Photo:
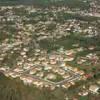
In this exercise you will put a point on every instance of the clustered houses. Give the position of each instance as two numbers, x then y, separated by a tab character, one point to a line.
95	7
42	69
37	66
43	23
89	58
46	68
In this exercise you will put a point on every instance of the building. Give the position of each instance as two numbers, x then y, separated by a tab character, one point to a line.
94	88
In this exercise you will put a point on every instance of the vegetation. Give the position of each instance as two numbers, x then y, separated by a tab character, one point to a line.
47	3
15	90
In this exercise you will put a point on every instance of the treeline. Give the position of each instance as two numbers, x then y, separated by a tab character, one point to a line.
49	3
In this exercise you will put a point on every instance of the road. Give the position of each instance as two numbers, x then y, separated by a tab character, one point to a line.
69	79
75	76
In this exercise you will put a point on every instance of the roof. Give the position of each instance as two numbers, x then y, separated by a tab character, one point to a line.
94	88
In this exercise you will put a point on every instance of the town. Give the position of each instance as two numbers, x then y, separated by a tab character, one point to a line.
55	47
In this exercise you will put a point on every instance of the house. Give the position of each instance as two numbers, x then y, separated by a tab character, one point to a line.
18	70
69	59
83	93
32	72
2	69
66	85
26	80
51	76
53	62
15	75
23	53
94	88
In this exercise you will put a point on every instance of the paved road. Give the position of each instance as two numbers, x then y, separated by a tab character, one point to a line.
69	79
74	76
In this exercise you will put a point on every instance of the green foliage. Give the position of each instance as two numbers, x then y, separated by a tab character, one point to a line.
47	3
13	89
